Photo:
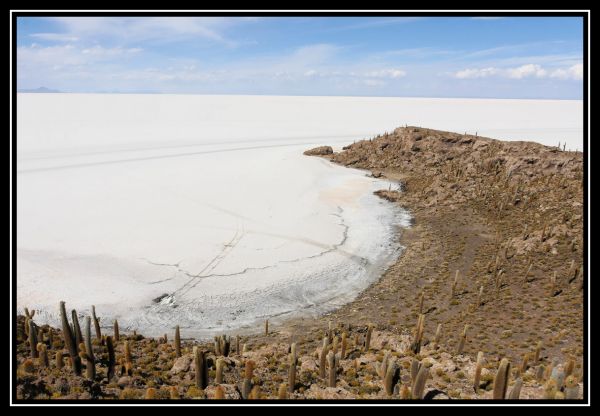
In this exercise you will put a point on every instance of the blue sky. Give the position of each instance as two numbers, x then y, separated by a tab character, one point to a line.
510	57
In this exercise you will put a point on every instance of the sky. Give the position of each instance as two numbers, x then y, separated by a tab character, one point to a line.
508	57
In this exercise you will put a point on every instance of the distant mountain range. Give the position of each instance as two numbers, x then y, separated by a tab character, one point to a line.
39	90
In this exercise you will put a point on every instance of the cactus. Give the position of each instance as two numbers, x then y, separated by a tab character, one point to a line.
405	392
334	345
381	369
418	334
43	355
96	324
219	393
538	349
501	380
200	368
478	366
454	285
237	344
415	365
438	334
344	345
58	359
368	338
524	364
292	370
479	297
255	393
331	361
322	358
539	374
33	339
267	328
150	393
127	349
516	390
571	388
89	352
558	375
219	371
247	383
392	376
330	331
76	327
282	393
110	372
569	366
224	345
462	341
550	390
419	383
421	301
177	342
116	330
173	393
70	341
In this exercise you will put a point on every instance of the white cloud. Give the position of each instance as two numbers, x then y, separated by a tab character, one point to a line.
476	73
529	70
574	72
386	73
57	37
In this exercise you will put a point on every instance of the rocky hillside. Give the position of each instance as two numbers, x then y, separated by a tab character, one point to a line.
486	300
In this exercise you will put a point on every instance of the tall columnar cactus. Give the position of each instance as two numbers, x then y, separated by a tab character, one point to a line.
550	390
58	359
419	383
568	367
70	341
330	331
116	330
479	297
381	369
524	363
516	390
392	376
219	370
539	373
292	370
538	349
237	344
267	327
323	358
219	393
282	393
334	345
200	368
89	352
127	350
571	388
76	327
33	339
111	358
421	301
418	334
478	366
462	341
332	363
454	285
96	324
501	380
42	349
224	345
177	342
247	383
344	345
438	334
415	365
368	338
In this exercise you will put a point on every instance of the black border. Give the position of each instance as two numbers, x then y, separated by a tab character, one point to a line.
258	13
